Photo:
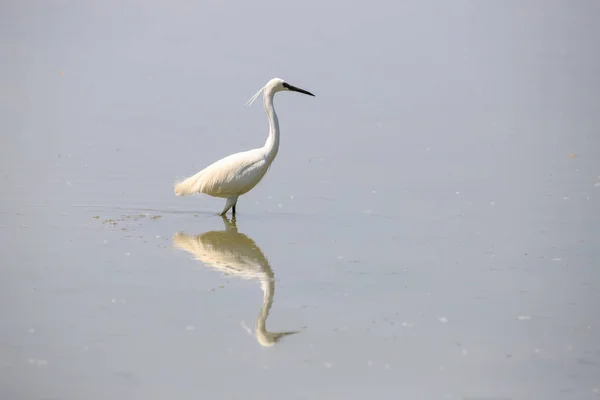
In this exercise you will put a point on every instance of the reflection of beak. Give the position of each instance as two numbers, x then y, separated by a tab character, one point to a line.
268	339
295	89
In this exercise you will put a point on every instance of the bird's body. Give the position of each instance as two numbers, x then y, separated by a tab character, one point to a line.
230	176
237	174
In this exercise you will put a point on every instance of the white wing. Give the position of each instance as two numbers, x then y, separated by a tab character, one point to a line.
233	175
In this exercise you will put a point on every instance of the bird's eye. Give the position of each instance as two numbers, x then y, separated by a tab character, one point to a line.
286	85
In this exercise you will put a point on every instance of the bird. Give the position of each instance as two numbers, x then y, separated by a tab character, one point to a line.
238	173
235	254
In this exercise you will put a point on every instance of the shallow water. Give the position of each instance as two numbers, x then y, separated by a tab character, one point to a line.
428	230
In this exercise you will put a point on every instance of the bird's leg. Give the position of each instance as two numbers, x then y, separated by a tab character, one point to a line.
233	208
228	204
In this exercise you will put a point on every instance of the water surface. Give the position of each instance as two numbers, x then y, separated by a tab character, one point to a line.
429	229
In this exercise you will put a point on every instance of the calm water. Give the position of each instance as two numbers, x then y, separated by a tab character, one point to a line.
429	230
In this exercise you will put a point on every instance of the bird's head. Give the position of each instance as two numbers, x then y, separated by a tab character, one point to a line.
277	85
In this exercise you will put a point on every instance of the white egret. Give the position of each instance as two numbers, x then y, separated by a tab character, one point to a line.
237	174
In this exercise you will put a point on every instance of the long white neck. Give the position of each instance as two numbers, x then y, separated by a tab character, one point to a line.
272	144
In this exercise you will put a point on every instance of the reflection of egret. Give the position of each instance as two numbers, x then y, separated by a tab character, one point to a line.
236	254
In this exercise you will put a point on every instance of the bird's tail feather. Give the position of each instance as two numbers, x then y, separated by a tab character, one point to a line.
188	186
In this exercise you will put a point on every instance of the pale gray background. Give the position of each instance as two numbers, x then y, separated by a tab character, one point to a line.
432	218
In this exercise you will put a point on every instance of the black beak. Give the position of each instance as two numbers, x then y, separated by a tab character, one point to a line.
295	89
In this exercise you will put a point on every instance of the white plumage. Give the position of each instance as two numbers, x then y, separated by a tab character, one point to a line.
237	174
233	175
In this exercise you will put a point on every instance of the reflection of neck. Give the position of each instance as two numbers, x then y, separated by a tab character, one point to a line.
268	287
272	144
264	337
